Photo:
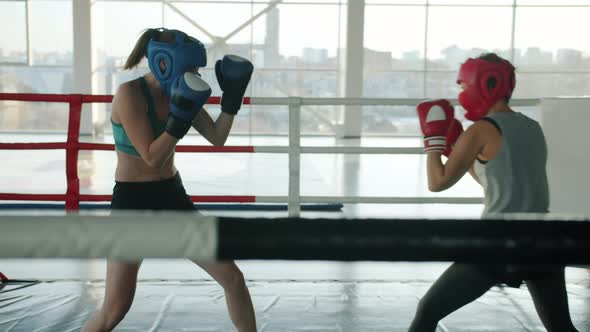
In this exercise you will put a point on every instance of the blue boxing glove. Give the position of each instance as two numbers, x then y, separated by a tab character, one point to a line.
188	94
233	75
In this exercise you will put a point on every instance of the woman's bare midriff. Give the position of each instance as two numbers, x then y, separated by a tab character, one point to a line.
134	169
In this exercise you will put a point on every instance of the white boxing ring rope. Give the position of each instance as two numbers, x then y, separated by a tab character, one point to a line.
132	235
295	150
122	235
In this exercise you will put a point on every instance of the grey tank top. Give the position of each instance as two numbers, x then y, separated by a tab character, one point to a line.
515	181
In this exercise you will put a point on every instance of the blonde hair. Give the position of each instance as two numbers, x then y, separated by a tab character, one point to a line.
140	49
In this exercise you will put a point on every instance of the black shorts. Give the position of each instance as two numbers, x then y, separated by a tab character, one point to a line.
167	194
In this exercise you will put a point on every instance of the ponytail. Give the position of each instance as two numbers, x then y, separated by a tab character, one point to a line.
140	49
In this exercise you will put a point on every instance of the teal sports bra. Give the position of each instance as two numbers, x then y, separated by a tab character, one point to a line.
122	142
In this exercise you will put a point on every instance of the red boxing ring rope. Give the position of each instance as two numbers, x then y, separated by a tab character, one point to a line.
72	197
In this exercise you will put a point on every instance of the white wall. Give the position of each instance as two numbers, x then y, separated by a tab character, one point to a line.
565	122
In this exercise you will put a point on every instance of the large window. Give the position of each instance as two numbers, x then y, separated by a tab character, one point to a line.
294	45
35	57
413	48
551	51
13	45
411	44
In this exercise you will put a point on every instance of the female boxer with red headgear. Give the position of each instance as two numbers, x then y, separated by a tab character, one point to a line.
149	117
505	151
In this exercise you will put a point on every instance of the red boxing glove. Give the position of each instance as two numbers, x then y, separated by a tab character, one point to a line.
453	134
436	117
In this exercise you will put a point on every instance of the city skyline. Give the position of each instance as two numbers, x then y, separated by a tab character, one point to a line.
532	56
294	59
389	28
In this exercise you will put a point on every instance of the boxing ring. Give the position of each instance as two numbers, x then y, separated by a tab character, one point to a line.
526	238
295	201
304	274
374	294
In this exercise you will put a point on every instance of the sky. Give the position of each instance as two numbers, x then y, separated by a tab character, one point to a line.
396	29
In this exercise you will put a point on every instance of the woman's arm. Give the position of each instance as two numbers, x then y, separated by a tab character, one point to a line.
132	114
465	151
215	132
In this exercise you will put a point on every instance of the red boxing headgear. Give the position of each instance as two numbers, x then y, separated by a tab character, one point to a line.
476	97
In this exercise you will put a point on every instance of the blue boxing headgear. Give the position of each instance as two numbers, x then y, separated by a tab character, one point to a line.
179	55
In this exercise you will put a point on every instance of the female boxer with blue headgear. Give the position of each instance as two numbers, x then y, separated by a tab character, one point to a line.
505	151
149	117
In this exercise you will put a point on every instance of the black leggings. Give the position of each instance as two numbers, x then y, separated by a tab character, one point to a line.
461	284
167	194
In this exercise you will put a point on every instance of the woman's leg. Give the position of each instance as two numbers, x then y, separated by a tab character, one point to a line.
237	297
227	274
550	298
459	285
119	292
